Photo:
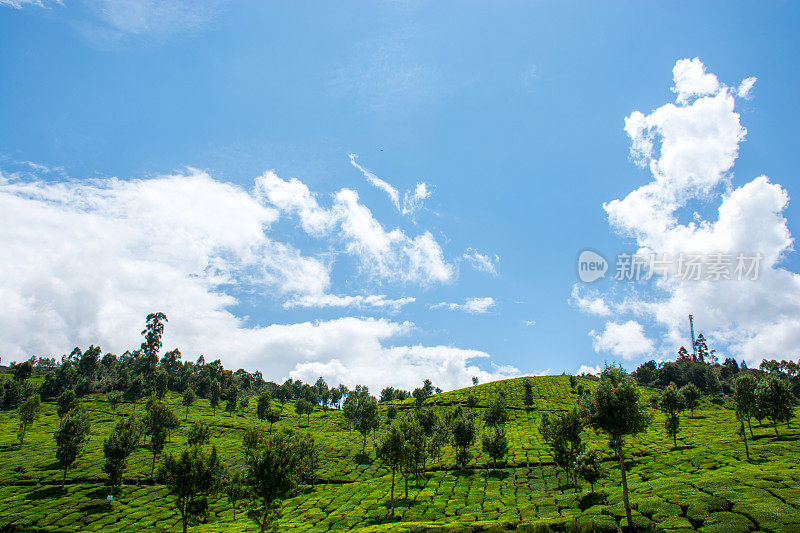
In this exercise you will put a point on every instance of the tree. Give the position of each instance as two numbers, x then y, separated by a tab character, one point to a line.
158	421
286	461
66	403
160	382
589	466
744	404
474	380
415	453
391	449
70	439
192	478
671	402
153	330
188	400
114	398
135	391
613	407
272	417
774	399
496	414
23	371
216	392
235	489
336	397
367	418
563	435
304	407
391	413
528	396
496	445
199	434
463	431
233	401
744	399
691	396
262	405
117	448
420	395
28	412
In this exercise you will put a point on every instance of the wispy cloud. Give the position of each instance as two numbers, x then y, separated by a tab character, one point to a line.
481	262
412	200
470	305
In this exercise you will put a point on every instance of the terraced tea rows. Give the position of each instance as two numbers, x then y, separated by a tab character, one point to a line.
703	485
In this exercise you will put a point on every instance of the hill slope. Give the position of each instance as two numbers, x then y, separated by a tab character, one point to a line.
703	485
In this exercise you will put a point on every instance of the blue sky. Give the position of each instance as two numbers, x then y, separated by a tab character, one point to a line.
511	113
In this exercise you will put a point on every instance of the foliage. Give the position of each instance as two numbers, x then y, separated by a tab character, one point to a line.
70	439
191	478
589	466
774	400
672	401
496	444
28	412
119	445
199	434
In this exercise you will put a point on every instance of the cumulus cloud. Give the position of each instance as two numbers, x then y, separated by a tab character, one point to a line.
481	262
593	370
470	305
85	261
690	149
592	303
386	255
626	340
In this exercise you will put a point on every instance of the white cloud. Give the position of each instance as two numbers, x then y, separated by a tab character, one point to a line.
412	200
626	340
481	262
470	305
593	370
84	262
746	87
593	303
331	300
690	150
375	181
529	323
692	80
386	255
19	4
121	18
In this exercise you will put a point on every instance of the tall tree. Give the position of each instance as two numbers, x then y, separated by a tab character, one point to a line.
775	400
391	449
158	422
233	401
188	400
286	461
613	407
66	403
744	397
192	479
262	405
70	439
671	403
563	435
303	407
118	447
28	412
691	396
235	489
528	396
216	392
463	432
496	414
152	332
496	445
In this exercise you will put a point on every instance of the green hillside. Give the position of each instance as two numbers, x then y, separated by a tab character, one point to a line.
705	484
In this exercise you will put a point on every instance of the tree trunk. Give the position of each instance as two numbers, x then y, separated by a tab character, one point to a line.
64	479
674	441
264	520
185	520
22	438
775	426
621	457
746	449
153	466
187	414
751	429
406	478
393	471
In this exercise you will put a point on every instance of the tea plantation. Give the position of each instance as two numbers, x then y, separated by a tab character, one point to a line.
705	484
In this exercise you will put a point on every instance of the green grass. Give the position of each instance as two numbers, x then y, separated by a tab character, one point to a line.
703	485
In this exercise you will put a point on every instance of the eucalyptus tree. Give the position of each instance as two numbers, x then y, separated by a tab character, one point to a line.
613	407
